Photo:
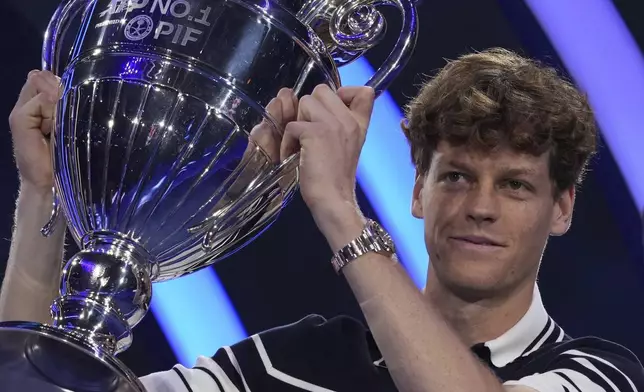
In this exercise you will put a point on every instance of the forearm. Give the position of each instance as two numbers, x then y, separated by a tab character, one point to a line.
421	350
33	273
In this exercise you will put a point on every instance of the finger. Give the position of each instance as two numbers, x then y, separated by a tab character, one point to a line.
39	82
294	133
54	87
284	112
266	135
275	110
28	91
360	101
289	105
42	109
47	126
312	110
54	82
296	103
355	95
37	113
332	102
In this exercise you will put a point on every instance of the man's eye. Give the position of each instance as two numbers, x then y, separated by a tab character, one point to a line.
515	185
453	176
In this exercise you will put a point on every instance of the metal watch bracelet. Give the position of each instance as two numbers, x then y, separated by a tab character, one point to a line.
372	239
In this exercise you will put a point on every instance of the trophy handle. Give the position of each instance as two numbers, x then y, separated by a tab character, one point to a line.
49	227
268	183
357	25
51	49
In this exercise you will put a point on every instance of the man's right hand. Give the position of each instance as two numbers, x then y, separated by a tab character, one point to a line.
283	109
31	123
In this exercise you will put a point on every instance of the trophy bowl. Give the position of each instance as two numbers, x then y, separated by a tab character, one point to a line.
155	172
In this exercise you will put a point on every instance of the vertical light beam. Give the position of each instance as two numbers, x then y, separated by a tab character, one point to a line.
386	175
196	315
599	52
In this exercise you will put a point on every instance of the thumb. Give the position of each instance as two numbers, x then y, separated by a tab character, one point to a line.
266	134
291	139
294	134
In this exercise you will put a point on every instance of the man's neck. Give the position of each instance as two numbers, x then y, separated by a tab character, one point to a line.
479	320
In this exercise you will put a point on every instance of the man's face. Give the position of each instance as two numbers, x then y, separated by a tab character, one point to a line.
487	217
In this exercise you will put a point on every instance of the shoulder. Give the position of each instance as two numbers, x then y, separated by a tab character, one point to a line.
588	364
315	331
309	338
311	353
334	353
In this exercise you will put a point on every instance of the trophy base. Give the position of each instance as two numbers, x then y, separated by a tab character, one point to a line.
37	357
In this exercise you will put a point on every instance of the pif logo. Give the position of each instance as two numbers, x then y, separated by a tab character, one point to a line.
173	18
139	27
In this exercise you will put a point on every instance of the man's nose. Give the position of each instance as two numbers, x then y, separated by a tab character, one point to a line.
482	204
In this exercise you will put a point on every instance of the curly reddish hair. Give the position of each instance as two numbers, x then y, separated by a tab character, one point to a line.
497	98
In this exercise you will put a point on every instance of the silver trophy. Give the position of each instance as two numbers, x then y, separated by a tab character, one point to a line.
155	172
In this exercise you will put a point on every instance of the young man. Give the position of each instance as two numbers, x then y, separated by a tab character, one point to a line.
499	143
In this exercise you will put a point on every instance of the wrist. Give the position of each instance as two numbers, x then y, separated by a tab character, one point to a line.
34	202
35	192
340	222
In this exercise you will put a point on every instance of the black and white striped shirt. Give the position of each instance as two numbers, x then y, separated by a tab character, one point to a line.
340	355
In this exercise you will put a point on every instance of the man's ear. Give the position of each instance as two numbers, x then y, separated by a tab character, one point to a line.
562	213
417	196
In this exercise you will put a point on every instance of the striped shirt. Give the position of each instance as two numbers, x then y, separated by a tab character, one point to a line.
339	354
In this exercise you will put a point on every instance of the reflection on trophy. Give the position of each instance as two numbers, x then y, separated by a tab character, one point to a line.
155	172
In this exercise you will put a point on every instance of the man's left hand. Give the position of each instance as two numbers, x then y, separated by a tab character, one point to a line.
329	133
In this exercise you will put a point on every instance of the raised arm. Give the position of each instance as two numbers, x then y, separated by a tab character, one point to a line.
34	267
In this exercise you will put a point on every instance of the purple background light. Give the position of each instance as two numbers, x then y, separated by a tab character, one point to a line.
605	61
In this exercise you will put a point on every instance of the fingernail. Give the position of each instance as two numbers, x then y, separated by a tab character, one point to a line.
30	74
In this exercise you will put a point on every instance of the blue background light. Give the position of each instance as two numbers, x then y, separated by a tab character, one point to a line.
601	55
386	174
196	315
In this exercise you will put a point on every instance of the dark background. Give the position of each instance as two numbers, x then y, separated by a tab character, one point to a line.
592	279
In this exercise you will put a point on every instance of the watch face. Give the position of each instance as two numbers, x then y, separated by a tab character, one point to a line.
387	241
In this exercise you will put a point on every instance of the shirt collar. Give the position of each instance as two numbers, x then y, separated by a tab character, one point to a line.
533	330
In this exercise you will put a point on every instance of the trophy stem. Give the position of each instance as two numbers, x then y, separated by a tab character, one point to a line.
105	291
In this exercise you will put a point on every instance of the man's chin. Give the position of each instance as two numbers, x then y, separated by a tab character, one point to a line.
472	280
474	291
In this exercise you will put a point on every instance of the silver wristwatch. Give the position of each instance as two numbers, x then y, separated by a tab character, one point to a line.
372	239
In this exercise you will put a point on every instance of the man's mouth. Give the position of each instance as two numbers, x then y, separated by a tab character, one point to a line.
478	240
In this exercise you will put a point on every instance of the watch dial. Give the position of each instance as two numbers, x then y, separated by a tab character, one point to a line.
386	238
